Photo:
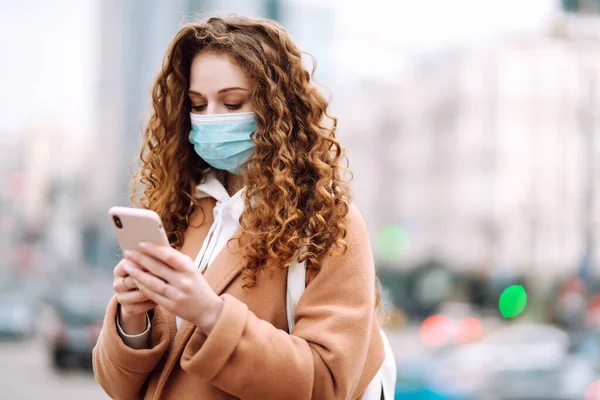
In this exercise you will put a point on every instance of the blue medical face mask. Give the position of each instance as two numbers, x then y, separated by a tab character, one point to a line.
223	140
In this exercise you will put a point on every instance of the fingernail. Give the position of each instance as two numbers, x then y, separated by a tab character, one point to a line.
128	267
143	245
128	254
136	281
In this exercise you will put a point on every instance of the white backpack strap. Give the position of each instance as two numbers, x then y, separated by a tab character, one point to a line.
296	283
385	380
388	371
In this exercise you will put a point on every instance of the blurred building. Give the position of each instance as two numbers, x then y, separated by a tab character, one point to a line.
40	214
40	169
312	25
486	156
11	181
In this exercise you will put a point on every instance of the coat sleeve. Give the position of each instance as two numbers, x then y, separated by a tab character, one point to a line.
121	370
139	341
324	356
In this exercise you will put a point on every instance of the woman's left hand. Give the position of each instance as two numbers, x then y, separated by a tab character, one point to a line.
173	282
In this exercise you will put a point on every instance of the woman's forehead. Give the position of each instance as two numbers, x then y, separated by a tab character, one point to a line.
211	72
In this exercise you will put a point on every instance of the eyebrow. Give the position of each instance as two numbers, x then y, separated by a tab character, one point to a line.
225	90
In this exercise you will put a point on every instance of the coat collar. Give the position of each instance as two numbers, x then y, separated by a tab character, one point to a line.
212	186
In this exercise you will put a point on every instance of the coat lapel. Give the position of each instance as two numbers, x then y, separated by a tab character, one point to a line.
226	266
228	262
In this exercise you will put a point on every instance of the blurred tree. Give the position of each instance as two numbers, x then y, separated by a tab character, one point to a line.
477	288
91	245
273	9
570	5
581	6
418	292
395	283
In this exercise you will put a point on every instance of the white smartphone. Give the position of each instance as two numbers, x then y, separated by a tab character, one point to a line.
134	225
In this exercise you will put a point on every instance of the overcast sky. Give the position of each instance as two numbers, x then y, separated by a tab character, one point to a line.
50	47
48	63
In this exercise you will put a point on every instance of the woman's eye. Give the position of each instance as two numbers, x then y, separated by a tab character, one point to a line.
234	106
199	108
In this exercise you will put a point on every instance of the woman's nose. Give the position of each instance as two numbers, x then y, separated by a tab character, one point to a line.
211	108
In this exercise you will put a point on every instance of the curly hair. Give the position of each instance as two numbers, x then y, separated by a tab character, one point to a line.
295	179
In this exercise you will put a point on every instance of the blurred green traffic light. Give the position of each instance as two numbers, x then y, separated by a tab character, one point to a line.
512	301
391	243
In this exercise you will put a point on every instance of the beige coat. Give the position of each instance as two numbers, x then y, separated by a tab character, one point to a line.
333	352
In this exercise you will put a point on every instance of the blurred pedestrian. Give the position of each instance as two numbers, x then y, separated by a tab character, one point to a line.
241	161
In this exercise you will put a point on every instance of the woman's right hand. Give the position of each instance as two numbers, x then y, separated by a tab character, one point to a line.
134	303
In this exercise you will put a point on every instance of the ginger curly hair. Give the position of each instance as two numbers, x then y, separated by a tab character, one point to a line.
295	178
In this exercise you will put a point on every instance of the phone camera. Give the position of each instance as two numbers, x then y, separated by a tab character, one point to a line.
118	222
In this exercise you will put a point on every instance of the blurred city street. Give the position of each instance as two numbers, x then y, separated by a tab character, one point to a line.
473	134
27	363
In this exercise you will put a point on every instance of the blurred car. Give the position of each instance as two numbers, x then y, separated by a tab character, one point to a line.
78	315
20	299
415	381
17	315
524	361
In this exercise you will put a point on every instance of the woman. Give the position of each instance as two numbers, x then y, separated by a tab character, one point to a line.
239	163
